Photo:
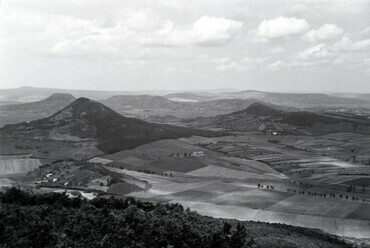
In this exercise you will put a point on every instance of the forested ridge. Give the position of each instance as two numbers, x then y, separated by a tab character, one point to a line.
54	220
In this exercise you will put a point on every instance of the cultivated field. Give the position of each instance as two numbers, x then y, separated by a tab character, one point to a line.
236	178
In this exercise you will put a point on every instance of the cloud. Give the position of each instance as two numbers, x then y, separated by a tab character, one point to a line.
143	20
360	46
280	27
345	53
211	29
233	66
226	64
207	31
347	45
319	51
274	66
344	44
297	9
366	31
325	32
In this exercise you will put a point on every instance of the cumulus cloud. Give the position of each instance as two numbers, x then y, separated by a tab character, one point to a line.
209	29
319	51
205	31
344	44
345	52
280	27
360	46
348	45
325	32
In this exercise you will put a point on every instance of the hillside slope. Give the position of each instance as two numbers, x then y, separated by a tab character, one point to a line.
87	120
16	113
261	117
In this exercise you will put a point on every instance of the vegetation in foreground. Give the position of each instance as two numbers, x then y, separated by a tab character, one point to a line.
54	220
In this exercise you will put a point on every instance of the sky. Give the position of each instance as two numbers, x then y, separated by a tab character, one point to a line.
269	45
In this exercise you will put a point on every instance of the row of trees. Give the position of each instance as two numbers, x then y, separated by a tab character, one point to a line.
330	195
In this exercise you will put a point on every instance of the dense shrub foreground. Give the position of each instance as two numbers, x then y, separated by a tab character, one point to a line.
54	220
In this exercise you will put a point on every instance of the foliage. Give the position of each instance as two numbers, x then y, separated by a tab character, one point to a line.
54	220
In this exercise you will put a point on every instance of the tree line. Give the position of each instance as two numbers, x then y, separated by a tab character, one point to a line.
54	220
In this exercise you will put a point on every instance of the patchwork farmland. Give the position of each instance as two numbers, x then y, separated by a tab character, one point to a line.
223	183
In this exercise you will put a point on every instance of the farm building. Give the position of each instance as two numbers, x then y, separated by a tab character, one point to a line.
197	154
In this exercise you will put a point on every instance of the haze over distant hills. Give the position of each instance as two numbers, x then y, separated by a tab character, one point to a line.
169	108
144	106
298	100
30	94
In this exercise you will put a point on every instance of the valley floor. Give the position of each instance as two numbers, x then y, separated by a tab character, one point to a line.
245	176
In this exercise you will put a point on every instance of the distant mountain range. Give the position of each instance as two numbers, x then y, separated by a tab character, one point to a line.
85	120
297	100
31	94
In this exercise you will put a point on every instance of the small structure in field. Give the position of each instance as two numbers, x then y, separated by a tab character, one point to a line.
197	154
40	181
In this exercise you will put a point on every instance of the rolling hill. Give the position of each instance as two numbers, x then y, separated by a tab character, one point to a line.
85	120
302	100
262	117
16	113
296	100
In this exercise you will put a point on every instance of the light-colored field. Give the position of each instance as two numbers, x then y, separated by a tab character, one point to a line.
220	191
220	172
329	207
100	160
50	149
253	198
184	164
221	185
158	149
342	164
6	182
251	165
338	226
9	166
